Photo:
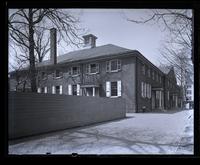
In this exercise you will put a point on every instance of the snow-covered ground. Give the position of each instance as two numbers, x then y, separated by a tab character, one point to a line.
139	133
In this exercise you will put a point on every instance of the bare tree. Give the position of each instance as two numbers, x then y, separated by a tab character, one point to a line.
25	30
176	48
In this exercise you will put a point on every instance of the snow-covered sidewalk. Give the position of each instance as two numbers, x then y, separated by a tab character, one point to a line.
139	133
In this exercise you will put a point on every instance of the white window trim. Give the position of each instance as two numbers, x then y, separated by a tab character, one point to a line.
53	89
70	89
78	71
45	89
108	89
39	90
78	90
108	63
89	68
60	89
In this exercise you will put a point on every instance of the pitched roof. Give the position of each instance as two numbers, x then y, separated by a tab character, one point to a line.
105	50
165	69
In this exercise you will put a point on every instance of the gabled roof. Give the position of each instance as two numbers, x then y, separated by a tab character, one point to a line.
165	69
100	51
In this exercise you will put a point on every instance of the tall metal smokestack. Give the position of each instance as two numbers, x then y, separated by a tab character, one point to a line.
53	46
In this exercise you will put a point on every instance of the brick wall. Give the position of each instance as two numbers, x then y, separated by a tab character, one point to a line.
33	113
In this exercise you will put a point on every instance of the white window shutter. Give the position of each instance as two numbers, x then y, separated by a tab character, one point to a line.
108	92
118	64
69	89
119	88
78	89
144	89
107	66
53	90
61	89
45	89
39	90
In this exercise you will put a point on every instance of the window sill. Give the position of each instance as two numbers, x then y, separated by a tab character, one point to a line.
113	71
92	73
75	75
114	96
58	77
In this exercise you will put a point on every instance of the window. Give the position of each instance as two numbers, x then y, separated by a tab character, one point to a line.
188	86
74	89
160	79
113	89
143	69
156	76
43	75
142	88
57	89
92	68
188	92
57	74
74	71
42	90
149	75
168	95
87	40
113	65
153	75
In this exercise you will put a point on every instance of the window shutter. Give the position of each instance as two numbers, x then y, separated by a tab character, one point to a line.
69	89
61	89
53	90
142	89
39	90
78	90
97	68
107	66
147	90
150	92
108	92
45	89
87	68
119	88
118	64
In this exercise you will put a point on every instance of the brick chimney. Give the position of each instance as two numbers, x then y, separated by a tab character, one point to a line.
53	46
89	41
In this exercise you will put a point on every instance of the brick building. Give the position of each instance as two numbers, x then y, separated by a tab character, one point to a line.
104	71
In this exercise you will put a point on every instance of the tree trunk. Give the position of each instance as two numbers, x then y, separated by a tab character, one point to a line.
31	53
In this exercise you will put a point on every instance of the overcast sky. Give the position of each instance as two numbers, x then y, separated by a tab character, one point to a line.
111	27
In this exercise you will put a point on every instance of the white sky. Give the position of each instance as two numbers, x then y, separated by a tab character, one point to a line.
111	27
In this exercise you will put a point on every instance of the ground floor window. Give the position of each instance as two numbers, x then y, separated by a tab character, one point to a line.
74	89
113	88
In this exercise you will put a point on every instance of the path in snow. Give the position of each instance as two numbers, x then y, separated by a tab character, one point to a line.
139	133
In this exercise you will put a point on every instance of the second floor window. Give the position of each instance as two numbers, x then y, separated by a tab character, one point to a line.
57	74
113	65
74	71
149	75
43	75
92	68
143	69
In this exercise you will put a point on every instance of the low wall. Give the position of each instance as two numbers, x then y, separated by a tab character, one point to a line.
34	113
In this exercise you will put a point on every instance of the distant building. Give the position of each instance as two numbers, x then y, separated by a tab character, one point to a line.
189	92
105	71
